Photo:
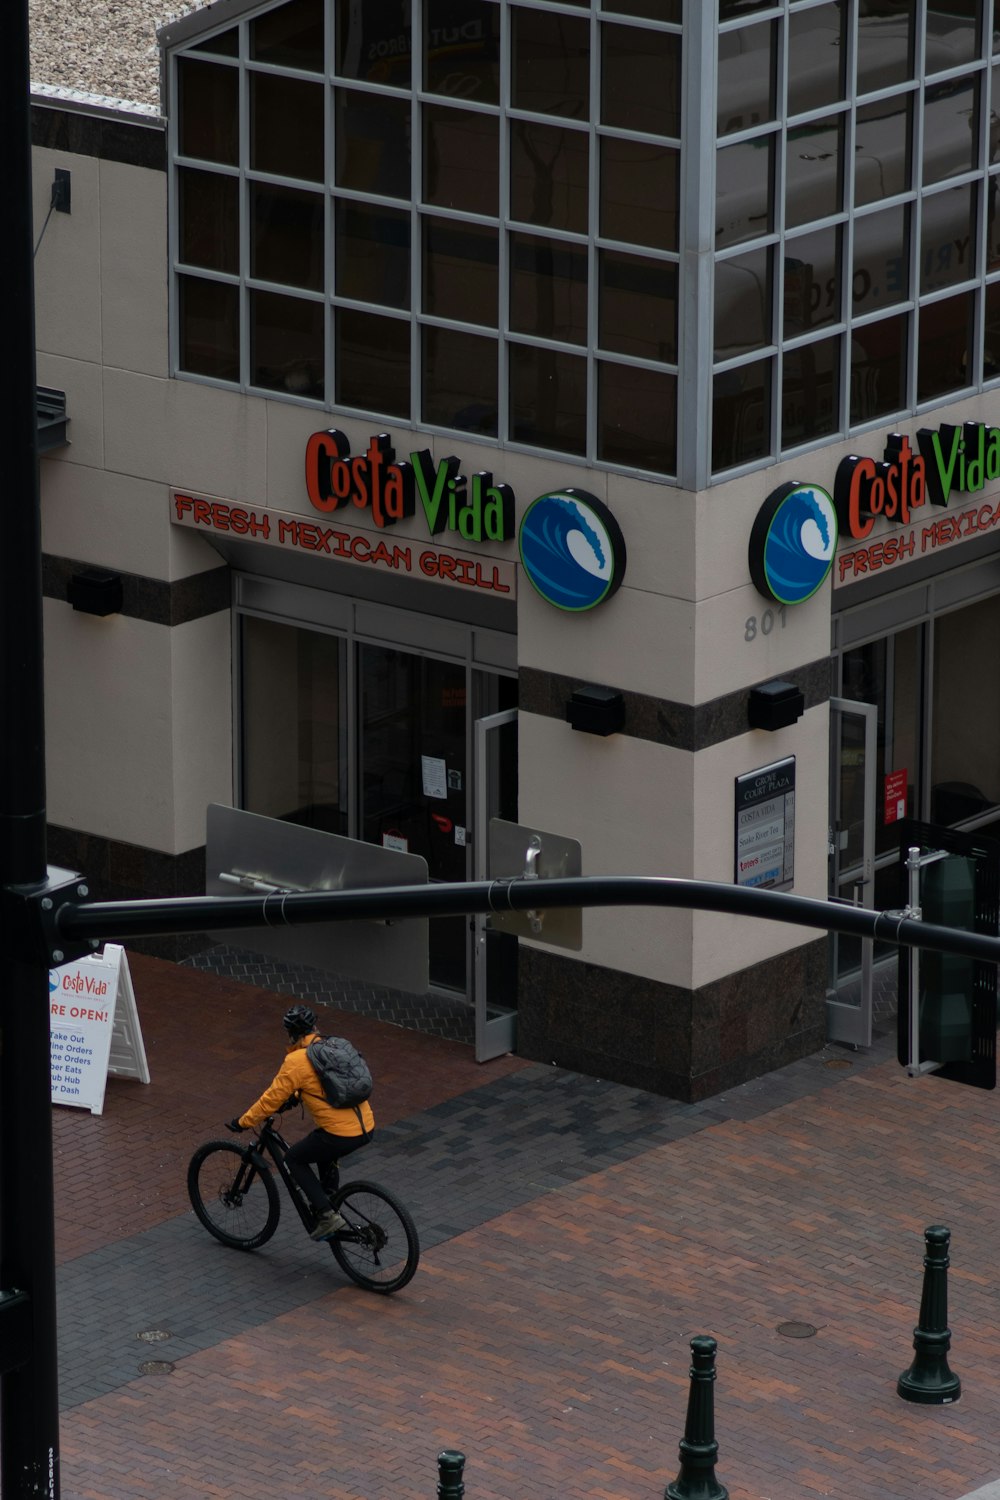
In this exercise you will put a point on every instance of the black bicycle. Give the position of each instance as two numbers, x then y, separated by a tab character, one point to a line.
233	1192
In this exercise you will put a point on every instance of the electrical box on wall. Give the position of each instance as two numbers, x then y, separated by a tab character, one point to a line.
775	705
596	710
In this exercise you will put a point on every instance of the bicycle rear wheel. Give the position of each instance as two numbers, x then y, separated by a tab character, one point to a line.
380	1249
235	1199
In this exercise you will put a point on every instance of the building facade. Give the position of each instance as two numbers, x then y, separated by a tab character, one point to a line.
429	361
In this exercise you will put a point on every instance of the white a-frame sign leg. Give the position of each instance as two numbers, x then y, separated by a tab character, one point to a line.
94	1028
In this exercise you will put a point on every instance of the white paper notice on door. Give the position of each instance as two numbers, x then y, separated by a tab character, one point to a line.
434	776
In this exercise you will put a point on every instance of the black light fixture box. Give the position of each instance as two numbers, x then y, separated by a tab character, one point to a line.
596	710
95	593
775	705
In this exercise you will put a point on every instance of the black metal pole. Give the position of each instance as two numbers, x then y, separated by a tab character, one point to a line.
29	1408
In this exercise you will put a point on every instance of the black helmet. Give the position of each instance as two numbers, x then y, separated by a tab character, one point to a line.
298	1021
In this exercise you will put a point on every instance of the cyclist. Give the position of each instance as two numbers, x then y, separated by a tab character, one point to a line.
338	1132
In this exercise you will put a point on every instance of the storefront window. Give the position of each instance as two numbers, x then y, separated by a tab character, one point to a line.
461	160
460	272
747	77
208	104
965	769
286	127
372	254
459	379
551	63
286	344
548	288
462	49
810	392
945	346
641	79
815	57
549	175
373	143
372	362
640	193
209	213
813	175
878	368
290	36
548	398
286	236
885	43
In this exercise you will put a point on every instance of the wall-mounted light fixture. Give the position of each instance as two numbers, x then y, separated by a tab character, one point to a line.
96	593
775	705
596	710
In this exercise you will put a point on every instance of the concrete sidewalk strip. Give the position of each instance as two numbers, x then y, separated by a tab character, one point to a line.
988	1492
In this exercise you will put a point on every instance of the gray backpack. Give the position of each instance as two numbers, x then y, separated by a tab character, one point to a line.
342	1071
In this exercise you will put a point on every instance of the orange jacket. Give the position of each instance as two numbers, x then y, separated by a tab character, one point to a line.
297	1076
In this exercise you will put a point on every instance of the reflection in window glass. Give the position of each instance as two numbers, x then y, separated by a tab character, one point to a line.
550	63
373	42
743	206
548	288
373	143
815	57
290	36
650	10
462	49
951	129
952	34
947	243
965	776
636	418
224	44
548	398
209	316
286	126
878	368
641	79
813	176
885	43
991	339
810	392
208	109
208	211
461	160
286	236
743	303
812	281
746	76
549	172
882	150
460	272
640	193
741	415
739	10
637	306
944	346
881	259
459	380
372	362
286	344
372	254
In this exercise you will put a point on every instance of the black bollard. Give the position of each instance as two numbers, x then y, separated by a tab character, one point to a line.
450	1467
698	1448
929	1380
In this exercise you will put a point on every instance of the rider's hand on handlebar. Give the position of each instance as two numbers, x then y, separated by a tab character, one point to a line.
235	1126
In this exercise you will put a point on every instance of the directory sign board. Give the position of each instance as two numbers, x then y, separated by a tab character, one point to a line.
765	827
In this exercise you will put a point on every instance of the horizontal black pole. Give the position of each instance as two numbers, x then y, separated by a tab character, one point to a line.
121	920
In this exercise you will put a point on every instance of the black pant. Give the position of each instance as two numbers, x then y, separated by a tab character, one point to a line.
324	1149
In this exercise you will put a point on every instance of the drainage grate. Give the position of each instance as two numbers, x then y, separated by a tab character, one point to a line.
838	1062
152	1335
796	1330
156	1367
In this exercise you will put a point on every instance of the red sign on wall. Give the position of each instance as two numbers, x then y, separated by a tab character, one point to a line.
895	797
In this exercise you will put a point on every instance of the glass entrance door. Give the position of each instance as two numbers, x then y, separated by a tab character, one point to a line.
495	953
853	763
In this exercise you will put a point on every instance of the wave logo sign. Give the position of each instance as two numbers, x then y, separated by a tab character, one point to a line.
572	549
792	543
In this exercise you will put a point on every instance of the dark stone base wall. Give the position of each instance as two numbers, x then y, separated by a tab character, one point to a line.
125	872
686	1044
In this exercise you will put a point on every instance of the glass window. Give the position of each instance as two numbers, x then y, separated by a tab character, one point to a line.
209	316
641	79
878	368
549	175
640	193
550	63
810	392
286	344
947	243
882	150
208	110
815	57
208	212
286	236
637	307
373	143
223	44
747	76
372	254
886	29
741	415
650	10
636	417
951	129
952	34
813	171
290	36
459	379
462	49
548	398
965	770
743	302
374	42
812	281
548	288
461	160
991	331
372	362
738	10
286	126
460	272
881	259
944	346
743	191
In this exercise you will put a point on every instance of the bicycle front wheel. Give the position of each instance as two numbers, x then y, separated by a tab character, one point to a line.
234	1198
379	1250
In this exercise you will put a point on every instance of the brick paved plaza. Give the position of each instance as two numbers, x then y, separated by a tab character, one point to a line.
575	1236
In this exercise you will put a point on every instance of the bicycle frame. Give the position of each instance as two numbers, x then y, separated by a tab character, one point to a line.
272	1142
